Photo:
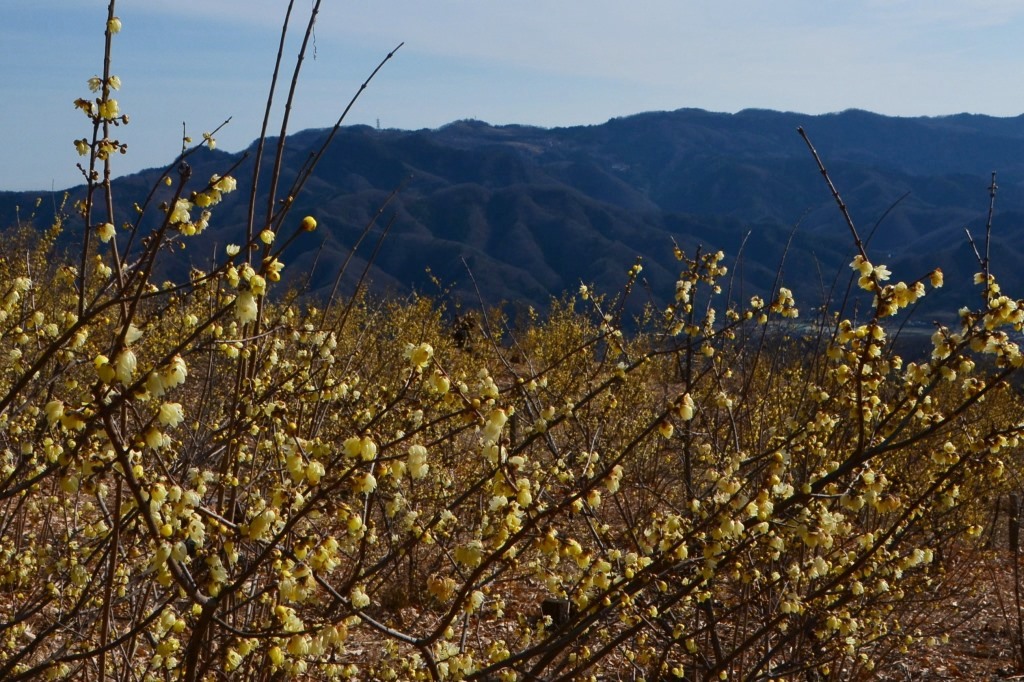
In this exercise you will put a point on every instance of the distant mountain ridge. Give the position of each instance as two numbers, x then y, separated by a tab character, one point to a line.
532	212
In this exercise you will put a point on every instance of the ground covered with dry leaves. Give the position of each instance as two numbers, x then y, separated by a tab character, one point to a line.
983	632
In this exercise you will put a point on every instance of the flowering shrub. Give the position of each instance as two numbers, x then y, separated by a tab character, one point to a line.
197	480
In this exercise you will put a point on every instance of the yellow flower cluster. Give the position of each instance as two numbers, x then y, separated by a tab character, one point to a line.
260	486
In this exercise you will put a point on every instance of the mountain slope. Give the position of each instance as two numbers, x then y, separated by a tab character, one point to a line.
532	212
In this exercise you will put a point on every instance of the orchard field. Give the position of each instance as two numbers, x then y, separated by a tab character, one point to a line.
212	477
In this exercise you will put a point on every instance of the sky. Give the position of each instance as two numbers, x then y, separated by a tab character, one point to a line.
538	62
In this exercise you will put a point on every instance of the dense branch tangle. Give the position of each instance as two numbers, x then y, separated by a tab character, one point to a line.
200	480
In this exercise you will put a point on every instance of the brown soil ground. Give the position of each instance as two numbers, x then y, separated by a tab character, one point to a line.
984	645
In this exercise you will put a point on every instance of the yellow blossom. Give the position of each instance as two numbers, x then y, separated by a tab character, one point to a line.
417	463
124	366
226	184
360	448
419	355
104	369
109	109
203	199
273	269
685	407
180	213
245	307
495	423
359	598
171	414
154	439
261	523
54	411
438	383
105	232
862	265
365	483
470	554
258	285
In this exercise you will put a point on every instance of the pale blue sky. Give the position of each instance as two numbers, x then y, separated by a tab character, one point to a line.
542	62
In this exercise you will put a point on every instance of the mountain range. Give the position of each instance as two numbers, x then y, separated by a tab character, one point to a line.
522	214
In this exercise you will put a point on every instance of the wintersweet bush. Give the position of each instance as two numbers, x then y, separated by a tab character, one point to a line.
200	480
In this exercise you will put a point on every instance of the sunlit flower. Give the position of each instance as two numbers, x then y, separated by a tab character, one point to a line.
109	109
171	414
104	369
204	199
105	232
308	224
314	472
267	237
175	374
180	213
258	285
476	600
114	25
365	483
203	222
419	355
246	309
124	366
227	184
273	270
360	448
155	439
438	383
495	423
417	463
359	598
470	554
261	523
862	265
232	660
685	407
54	411
132	334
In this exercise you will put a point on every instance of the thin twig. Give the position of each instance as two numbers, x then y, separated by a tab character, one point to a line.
835	194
